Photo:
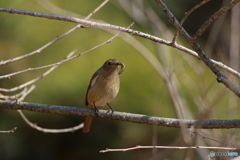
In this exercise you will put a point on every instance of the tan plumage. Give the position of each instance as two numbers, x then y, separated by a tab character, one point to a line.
103	87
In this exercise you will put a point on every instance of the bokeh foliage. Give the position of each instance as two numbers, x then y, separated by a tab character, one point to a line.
142	90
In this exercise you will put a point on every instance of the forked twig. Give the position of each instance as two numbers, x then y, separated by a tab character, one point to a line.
20	96
53	41
35	79
16	96
65	60
221	78
72	128
113	27
186	15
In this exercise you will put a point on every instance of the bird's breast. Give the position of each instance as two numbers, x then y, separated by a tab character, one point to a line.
103	90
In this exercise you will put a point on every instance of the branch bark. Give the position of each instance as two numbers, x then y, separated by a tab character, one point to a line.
166	147
47	130
114	27
213	18
197	48
9	131
122	116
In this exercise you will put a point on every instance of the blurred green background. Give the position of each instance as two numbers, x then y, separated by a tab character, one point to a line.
142	91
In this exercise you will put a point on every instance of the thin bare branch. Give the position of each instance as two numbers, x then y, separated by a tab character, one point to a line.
54	40
234	37
20	96
9	131
26	93
186	15
84	22
213	18
161	71
166	147
35	79
60	62
122	29
38	50
46	130
212	139
97	9
11	97
54	8
221	78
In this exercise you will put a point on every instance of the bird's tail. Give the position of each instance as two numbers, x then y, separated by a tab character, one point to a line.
88	122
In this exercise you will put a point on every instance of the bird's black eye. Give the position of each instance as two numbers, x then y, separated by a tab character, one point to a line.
109	63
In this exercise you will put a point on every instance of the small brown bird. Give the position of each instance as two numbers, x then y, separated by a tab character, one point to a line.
103	87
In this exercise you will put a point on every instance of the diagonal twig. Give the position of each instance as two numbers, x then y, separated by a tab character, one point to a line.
46	130
60	62
203	56
213	18
52	41
35	79
220	76
122	29
186	15
9	131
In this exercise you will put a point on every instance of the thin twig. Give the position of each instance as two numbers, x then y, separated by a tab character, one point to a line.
38	50
46	4
166	147
122	29
213	18
8	97
221	78
198	134
46	130
65	60
97	9
26	93
161	71
9	131
84	22
35	79
20	96
60	62
181	110
186	15
53	41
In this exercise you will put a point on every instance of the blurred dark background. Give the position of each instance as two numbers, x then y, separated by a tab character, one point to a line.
142	91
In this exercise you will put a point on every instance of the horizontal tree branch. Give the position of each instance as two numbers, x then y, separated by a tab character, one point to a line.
83	22
166	147
122	116
114	27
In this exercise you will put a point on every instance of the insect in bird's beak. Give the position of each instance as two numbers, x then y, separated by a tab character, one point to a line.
122	67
